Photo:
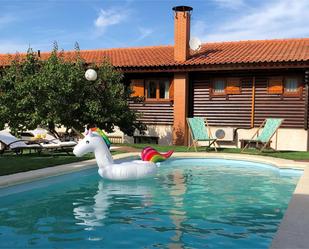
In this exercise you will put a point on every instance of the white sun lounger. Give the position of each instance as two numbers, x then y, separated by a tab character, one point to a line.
52	142
11	142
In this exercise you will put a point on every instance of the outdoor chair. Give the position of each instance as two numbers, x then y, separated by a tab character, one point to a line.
49	141
269	128
200	132
12	143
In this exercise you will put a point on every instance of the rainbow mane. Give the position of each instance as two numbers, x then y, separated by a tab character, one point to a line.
103	135
152	155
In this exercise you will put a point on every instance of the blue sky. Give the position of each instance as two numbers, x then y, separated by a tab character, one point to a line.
106	23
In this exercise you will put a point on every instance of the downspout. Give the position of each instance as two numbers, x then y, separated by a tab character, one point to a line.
252	103
306	106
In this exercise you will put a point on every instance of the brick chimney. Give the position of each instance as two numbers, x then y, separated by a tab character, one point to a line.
182	15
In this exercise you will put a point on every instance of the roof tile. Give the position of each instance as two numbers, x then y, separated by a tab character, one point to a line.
216	53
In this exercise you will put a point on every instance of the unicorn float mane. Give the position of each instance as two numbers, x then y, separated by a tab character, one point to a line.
102	134
152	155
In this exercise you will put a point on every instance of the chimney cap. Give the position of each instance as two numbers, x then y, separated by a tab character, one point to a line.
182	8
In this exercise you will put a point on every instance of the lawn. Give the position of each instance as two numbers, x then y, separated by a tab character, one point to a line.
10	163
292	155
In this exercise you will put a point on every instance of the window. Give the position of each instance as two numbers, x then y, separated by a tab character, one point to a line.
158	89
164	89
286	86
218	87
291	86
226	86
151	87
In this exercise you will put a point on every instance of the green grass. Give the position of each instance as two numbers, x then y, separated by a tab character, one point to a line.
11	163
292	155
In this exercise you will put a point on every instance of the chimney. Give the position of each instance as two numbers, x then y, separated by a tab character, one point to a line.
182	32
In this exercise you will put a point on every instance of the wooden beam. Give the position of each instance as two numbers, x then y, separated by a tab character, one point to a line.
306	106
212	67
253	102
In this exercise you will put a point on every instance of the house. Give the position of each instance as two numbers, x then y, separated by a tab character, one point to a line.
235	85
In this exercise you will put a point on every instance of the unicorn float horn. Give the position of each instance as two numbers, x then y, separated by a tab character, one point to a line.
152	155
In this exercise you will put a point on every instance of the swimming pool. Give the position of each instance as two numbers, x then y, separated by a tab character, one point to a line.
194	203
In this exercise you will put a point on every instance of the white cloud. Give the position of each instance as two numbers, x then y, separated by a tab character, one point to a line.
110	17
6	19
12	47
233	4
144	33
278	19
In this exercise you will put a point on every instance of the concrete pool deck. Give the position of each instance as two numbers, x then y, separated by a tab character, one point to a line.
293	230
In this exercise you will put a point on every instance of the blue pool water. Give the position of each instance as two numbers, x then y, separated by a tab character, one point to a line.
192	203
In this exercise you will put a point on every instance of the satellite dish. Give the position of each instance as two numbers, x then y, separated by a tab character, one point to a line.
195	43
91	75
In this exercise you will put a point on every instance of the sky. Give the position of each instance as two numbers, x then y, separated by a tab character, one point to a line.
98	24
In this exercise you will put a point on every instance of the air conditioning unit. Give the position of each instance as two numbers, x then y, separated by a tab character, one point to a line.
223	133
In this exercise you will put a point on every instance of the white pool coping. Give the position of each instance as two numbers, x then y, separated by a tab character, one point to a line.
294	227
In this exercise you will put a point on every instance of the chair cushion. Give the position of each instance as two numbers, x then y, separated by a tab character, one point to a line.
198	129
270	127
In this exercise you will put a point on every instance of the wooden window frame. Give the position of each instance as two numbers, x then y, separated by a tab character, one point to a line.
297	93
283	92
226	82
238	91
157	99
133	84
269	79
213	93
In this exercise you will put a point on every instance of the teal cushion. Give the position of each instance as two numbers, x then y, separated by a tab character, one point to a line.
270	127
198	129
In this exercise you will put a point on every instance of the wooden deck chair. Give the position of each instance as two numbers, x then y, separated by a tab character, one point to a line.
12	143
269	128
199	132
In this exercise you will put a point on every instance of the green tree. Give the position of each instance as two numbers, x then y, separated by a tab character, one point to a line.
54	92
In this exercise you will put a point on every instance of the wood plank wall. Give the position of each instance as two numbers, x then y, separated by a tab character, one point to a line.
221	111
235	110
160	113
292	109
152	113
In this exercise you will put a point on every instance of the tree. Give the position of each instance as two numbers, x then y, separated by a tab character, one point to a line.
54	92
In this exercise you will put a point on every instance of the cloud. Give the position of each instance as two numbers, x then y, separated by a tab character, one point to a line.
278	19
13	46
110	17
233	4
7	19
144	33
7	46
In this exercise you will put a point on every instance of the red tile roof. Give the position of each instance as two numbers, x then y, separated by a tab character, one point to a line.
216	53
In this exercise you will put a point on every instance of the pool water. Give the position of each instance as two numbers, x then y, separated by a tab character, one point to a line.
192	203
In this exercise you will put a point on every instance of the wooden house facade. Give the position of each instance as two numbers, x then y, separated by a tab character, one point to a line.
235	85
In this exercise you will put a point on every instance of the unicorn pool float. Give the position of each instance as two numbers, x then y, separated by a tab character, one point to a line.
97	142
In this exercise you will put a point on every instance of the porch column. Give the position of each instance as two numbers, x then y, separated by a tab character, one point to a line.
180	129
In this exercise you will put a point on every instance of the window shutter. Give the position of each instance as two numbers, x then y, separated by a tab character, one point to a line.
275	85
233	86
137	87
171	90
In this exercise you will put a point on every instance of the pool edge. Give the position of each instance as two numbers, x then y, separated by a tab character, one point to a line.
292	229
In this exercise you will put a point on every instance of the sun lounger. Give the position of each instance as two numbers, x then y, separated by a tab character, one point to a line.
12	143
50	142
